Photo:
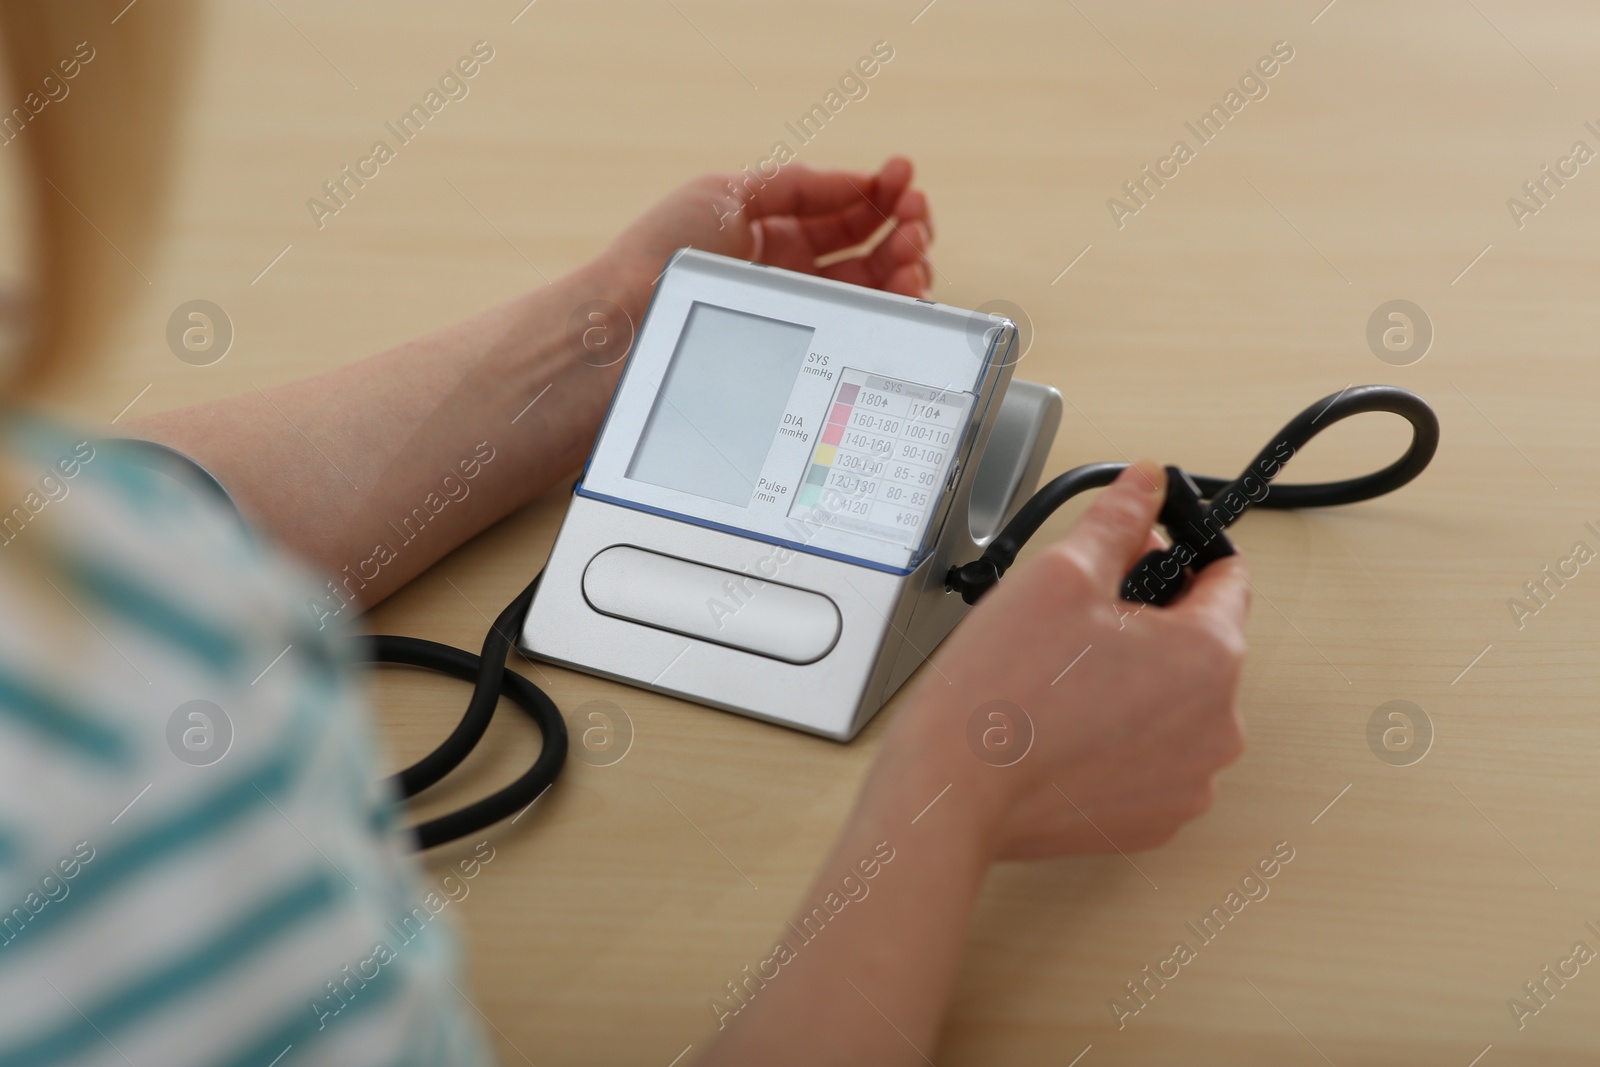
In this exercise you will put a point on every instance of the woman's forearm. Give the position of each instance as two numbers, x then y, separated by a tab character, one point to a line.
863	971
349	469
373	471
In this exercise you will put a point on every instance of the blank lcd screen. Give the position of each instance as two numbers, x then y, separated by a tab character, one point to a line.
719	406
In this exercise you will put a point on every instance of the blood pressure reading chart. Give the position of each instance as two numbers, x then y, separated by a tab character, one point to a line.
882	457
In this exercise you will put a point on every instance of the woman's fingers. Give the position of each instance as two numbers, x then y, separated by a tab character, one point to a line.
910	279
785	243
899	263
802	190
825	234
805	214
912	206
1154	543
902	205
1110	536
906	244
1221	593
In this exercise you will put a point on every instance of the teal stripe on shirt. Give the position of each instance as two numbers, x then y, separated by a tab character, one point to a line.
302	1027
196	825
51	716
207	639
188	973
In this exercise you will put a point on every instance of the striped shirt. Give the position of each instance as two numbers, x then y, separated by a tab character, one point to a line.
198	864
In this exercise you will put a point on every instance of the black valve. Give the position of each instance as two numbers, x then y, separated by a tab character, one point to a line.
1198	508
1197	541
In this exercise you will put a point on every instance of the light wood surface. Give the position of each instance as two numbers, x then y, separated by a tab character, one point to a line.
1377	167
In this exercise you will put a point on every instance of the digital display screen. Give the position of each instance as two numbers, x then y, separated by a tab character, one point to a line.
720	404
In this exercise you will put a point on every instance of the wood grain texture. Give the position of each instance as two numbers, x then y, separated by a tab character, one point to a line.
1377	167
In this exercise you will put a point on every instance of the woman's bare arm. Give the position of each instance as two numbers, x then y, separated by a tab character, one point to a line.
1118	755
375	470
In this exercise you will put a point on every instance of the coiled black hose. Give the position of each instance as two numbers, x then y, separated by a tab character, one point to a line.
490	679
1198	508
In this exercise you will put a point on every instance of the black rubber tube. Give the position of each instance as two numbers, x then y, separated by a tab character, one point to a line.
491	680
973	579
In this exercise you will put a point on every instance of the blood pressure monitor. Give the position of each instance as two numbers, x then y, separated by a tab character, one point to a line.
789	469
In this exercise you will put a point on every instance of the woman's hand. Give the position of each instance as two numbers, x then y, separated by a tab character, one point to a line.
1132	714
1132	709
788	220
519	382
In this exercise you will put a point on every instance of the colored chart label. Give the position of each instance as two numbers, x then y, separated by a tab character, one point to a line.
882	457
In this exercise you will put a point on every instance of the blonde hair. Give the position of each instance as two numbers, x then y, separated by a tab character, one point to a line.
98	157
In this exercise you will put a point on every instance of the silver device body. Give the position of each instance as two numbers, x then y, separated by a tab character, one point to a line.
810	624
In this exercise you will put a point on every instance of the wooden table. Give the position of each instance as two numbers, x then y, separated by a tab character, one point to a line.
1377	167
